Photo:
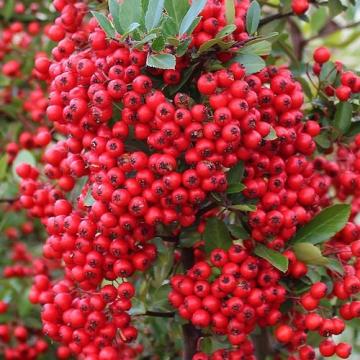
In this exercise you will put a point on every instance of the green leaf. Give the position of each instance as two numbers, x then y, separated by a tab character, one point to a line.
24	156
272	135
4	80
243	207
252	63
236	173
89	200
309	254
259	48
235	188
343	114
276	259
238	231
104	23
168	26
154	13
8	9
194	24
130	12
324	225
188	238
114	9
354	129
227	30
3	166
186	75
335	266
132	27
158	44
161	61
145	40
230	11
195	9
335	7
328	72
177	10
253	17
182	47
216	235
323	140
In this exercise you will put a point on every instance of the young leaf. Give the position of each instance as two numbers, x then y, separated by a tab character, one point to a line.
161	61
216	235
194	11
105	24
154	13
130	12
114	9
176	9
230	11
252	63
309	254
343	114
24	156
236	173
253	17
158	44
235	188
324	225
276	259
238	231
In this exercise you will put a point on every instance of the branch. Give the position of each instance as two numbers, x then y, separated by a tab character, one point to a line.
9	201
275	17
169	314
339	28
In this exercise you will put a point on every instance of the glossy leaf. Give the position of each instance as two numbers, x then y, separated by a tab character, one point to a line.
335	266
343	114
105	23
253	17
216	235
236	173
154	13
238	231
235	188
177	9
324	225
258	48
195	9
227	30
114	9
276	259
243	207
161	61
252	63
309	254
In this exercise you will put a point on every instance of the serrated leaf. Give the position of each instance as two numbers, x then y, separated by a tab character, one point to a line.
114	9
328	72
161	61
238	231
259	48
253	17
154	13
309	254
343	114
130	12
236	173
195	9
216	235
177	10
276	259
104	23
324	225
230	11
243	207
235	188
252	63
158	44
24	156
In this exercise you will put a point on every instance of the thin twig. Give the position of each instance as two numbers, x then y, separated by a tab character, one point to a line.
275	17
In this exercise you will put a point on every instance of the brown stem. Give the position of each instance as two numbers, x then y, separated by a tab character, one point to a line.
169	314
9	201
191	334
275	17
263	345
